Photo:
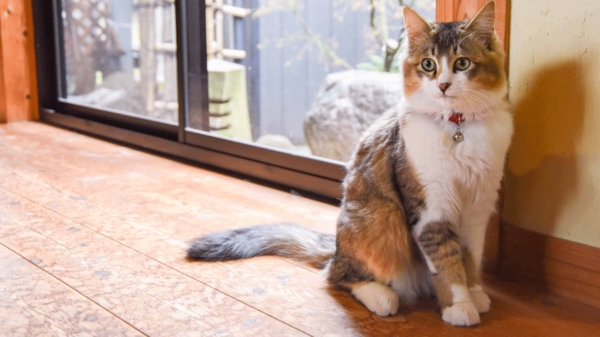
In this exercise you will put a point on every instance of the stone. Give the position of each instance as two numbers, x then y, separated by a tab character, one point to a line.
276	141
347	103
119	91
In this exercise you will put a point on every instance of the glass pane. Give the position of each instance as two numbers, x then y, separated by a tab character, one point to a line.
120	54
307	76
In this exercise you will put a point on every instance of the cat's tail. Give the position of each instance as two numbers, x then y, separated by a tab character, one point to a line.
287	240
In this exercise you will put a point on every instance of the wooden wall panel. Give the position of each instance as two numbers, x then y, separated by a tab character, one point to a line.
565	268
18	92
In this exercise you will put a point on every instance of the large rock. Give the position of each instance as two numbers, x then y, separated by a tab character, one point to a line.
119	91
347	103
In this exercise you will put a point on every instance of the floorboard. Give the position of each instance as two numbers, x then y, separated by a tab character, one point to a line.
141	291
112	224
45	306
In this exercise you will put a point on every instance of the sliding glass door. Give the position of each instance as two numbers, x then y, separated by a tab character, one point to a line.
278	90
305	76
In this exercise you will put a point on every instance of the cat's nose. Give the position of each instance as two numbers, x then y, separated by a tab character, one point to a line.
444	86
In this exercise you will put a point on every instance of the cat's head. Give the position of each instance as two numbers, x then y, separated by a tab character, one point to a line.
453	66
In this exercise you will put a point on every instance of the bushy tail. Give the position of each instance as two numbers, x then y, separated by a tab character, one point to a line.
287	240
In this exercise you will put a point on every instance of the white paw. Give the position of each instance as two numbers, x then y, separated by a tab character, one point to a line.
481	300
461	314
378	298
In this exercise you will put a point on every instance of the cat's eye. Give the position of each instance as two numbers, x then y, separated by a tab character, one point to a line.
462	63
428	65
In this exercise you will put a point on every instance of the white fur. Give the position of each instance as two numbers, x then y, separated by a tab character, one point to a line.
461	314
445	72
430	265
461	179
460	294
377	297
480	299
404	286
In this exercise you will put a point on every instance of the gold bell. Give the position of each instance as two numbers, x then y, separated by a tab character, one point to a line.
458	137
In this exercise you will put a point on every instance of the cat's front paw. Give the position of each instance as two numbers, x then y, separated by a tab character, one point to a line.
461	314
378	298
480	299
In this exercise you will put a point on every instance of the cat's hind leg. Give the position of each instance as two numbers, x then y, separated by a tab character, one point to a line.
348	273
378	298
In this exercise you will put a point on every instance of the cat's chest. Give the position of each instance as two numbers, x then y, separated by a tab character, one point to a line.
436	156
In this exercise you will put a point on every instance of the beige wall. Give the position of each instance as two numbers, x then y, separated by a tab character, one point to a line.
553	171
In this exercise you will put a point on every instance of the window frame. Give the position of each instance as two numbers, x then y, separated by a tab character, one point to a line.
318	176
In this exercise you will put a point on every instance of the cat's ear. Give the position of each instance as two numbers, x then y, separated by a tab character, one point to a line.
415	25
483	22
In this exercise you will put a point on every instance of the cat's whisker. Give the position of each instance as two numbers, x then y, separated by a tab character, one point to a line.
475	94
484	98
471	100
489	99
482	94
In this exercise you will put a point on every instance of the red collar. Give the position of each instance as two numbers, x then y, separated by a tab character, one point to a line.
456	118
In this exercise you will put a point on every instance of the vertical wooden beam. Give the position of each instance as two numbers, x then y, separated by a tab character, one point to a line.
148	53
210	29
456	10
18	87
219	29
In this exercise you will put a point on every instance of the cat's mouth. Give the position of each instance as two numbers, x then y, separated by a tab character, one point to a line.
450	101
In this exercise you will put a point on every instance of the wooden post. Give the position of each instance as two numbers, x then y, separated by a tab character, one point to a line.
18	87
454	10
168	37
147	53
219	29
210	29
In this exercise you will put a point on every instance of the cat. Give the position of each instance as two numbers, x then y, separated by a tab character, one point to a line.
420	187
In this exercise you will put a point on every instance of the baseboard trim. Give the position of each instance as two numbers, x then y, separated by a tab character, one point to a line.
561	267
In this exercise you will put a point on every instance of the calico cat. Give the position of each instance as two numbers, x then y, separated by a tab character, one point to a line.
420	187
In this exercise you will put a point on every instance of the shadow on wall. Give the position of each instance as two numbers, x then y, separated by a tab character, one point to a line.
541	175
542	162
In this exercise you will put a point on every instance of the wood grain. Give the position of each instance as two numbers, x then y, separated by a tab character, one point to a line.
18	87
44	306
566	268
153	207
148	295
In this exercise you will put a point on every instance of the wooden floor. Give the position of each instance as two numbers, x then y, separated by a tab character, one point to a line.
92	240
